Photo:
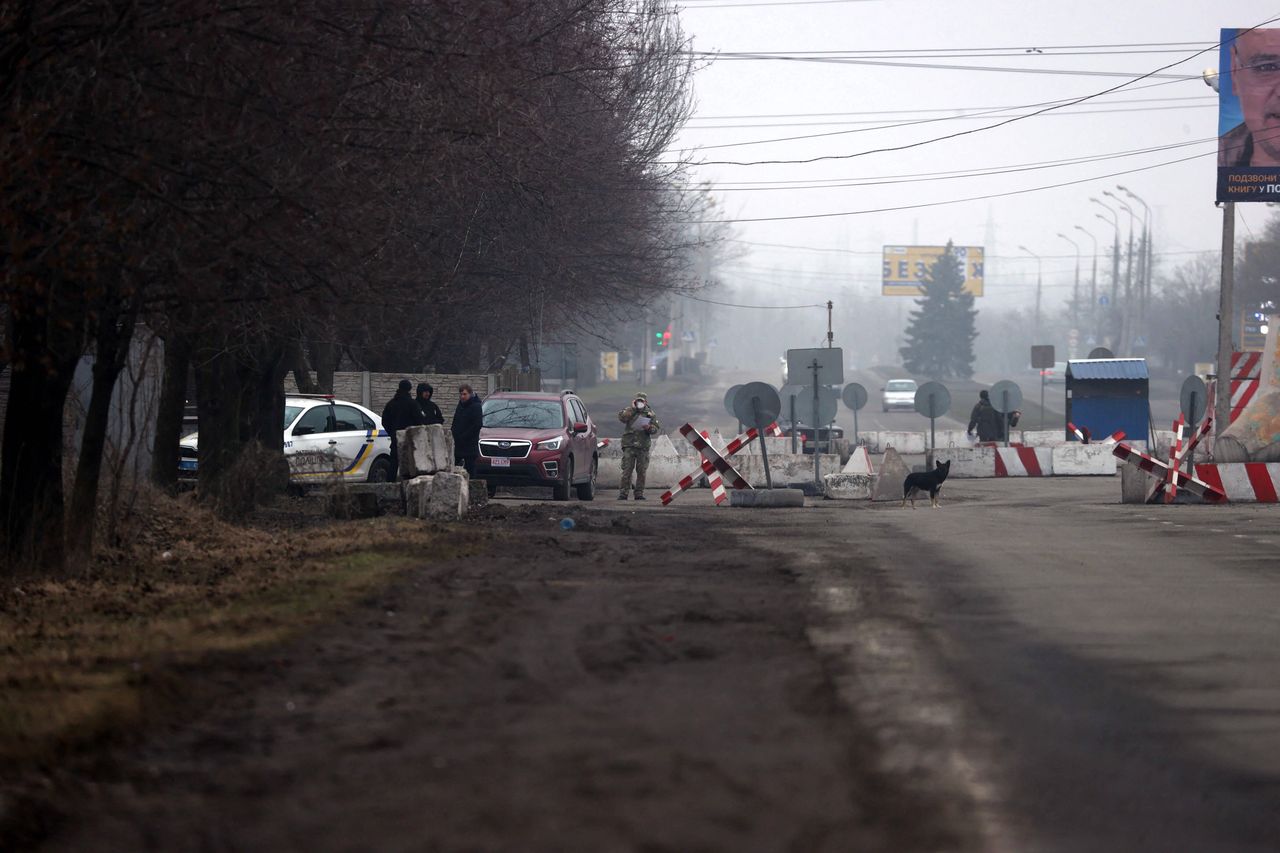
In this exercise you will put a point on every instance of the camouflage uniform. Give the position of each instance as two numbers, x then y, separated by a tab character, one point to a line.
635	445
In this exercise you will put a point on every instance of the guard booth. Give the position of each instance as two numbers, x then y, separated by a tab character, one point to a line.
1108	394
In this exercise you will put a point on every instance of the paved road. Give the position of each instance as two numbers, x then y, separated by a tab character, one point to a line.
1031	667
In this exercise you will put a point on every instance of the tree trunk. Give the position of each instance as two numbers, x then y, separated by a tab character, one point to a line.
325	356
31	496
218	405
169	415
301	372
115	332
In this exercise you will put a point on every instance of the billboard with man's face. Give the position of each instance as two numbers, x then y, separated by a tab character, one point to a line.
1249	115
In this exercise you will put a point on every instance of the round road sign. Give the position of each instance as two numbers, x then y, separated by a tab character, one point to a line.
728	398
766	405
1002	390
1194	399
1101	352
854	396
933	400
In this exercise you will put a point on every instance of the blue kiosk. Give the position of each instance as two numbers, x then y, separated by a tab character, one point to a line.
1108	394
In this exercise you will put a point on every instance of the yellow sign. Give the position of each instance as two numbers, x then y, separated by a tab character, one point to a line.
609	366
906	266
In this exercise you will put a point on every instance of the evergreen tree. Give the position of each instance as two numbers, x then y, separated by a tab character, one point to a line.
941	331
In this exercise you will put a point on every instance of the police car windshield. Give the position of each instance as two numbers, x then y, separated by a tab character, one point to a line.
290	412
523	414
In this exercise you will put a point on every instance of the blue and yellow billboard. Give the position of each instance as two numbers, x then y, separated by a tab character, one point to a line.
906	266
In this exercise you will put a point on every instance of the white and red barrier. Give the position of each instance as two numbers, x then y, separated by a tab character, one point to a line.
1156	468
1243	482
1024	462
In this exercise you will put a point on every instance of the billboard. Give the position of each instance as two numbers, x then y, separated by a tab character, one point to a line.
1248	132
906	266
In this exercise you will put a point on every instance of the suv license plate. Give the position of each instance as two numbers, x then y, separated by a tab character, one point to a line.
500	462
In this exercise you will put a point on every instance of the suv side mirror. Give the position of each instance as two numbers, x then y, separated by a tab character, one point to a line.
579	428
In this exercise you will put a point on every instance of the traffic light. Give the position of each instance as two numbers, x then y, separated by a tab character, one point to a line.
666	336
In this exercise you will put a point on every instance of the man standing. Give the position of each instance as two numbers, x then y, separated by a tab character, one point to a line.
989	422
401	412
430	410
468	419
641	425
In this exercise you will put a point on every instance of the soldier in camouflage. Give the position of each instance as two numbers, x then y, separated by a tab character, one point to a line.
641	425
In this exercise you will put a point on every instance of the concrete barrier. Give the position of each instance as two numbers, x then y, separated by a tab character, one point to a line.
1088	460
973	462
849	487
785	467
907	443
662	471
1044	437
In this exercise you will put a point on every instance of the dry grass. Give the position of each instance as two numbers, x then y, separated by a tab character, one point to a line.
77	655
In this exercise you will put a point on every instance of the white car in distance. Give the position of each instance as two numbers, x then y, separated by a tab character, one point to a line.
899	394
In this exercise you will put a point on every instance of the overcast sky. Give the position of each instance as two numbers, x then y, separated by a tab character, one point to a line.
1037	47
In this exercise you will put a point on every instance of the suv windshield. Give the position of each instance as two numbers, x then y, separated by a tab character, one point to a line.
901	385
523	414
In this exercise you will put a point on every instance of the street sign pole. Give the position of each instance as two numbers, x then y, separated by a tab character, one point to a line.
1042	400
817	463
764	442
1004	404
794	439
855	427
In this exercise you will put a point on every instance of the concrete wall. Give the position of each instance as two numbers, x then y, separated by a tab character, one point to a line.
1074	460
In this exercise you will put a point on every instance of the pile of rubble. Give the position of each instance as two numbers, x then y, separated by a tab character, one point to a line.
428	486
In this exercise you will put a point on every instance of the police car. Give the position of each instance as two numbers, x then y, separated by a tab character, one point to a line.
324	438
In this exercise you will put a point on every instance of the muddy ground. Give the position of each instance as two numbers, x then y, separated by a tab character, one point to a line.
615	687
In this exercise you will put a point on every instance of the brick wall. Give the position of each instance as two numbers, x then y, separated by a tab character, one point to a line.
373	390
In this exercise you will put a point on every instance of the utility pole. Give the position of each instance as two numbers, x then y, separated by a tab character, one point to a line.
1075	289
1093	284
1039	282
1146	258
1222	406
830	334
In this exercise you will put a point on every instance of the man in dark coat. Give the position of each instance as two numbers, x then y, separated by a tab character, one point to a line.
401	412
430	410
468	418
989	422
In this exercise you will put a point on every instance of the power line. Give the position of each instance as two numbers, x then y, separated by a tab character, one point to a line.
955	200
879	252
983	129
759	307
846	114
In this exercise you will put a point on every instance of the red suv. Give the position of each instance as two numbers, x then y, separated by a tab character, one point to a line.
537	439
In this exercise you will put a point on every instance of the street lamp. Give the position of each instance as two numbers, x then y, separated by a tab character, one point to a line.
1093	282
1148	256
1075	289
1115	253
1126	313
1039	276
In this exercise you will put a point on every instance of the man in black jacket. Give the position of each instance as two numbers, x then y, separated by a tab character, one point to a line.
985	418
430	410
401	412
468	418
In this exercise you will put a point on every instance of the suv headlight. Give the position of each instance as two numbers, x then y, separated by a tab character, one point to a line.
551	443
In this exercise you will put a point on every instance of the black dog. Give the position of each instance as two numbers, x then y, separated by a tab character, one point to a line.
929	480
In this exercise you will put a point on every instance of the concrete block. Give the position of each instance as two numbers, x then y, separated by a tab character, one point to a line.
663	471
416	494
948	438
776	446
424	450
785	467
970	462
1044	437
1135	485
449	497
859	462
849	487
767	498
893	471
906	443
661	446
1075	460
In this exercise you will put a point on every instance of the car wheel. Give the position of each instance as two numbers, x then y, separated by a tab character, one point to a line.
587	490
380	470
560	491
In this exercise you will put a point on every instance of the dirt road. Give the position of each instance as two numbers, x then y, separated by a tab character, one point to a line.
615	687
